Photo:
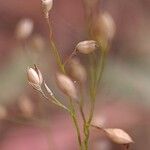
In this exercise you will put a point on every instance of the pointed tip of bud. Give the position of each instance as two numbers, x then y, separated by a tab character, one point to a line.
66	85
86	47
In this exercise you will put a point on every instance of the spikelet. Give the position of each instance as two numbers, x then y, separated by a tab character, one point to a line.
86	47
103	28
118	136
66	85
35	78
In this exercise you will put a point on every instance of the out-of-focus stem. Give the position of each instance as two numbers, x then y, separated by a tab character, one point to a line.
93	96
100	68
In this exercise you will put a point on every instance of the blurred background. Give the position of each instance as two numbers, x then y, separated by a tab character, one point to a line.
27	121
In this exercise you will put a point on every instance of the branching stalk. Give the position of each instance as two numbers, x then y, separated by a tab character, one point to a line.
74	117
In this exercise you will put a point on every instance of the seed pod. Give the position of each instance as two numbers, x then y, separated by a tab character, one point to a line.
47	6
77	70
39	74
26	106
24	29
103	28
34	76
66	85
86	47
118	136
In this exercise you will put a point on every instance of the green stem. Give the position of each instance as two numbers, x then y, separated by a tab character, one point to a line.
54	101
93	97
74	117
62	68
81	104
100	67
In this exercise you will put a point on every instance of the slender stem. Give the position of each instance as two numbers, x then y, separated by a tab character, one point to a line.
54	101
74	117
69	58
62	68
100	67
93	96
53	46
82	113
81	104
87	126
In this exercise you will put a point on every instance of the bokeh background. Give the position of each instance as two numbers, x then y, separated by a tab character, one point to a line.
123	100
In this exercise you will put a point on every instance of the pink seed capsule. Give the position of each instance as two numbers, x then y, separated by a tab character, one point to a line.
103	27
66	85
86	47
34	76
118	136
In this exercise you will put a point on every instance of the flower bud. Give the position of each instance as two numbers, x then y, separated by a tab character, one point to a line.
118	136
86	47
66	85
77	71
24	29
47	6
26	106
34	76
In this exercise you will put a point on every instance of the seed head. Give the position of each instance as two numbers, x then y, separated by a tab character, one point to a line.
47	6
66	85
34	76
86	47
24	29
